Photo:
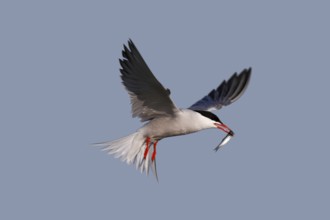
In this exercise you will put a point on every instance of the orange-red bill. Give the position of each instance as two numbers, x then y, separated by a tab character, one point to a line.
223	127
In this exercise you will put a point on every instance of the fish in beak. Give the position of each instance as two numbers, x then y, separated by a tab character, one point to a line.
227	138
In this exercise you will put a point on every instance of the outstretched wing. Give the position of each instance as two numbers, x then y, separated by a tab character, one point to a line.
149	98
227	92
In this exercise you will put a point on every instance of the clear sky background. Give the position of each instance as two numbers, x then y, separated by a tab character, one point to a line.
60	91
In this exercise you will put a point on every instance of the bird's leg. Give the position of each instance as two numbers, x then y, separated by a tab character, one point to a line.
147	147
153	157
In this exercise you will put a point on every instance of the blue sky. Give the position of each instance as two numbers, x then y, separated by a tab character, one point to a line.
60	92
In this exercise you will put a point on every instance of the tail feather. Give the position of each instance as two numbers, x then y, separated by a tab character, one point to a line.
154	168
130	149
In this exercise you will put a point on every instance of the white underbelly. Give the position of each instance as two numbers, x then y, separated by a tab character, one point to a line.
171	126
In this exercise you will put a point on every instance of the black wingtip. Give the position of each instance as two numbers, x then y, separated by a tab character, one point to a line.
131	45
125	52
247	71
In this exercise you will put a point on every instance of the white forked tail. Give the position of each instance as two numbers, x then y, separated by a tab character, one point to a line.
131	149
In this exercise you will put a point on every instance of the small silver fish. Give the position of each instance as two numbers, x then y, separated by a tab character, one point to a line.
224	141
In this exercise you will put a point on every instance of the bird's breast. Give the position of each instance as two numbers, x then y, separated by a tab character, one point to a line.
180	124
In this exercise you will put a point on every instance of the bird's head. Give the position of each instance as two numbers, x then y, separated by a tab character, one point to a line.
216	123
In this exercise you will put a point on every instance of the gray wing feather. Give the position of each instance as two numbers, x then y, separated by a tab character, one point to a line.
226	93
149	98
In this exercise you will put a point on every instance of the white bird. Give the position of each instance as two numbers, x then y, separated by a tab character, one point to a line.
151	102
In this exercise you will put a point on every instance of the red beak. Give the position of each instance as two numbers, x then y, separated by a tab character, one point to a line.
225	128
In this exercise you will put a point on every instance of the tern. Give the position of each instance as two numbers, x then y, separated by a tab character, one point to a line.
151	102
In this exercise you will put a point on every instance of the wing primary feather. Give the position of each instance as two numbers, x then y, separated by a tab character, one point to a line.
244	81
148	96
232	82
212	94
226	93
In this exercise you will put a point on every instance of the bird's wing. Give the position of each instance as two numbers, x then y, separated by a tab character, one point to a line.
149	98
227	92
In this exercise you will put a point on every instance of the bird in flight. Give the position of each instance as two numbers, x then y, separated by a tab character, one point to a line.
151	102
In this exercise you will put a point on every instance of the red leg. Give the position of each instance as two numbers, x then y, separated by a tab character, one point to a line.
147	147
154	153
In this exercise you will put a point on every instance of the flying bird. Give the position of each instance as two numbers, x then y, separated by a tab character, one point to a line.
151	102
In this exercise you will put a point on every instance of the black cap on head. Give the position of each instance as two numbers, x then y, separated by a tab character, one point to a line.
209	115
